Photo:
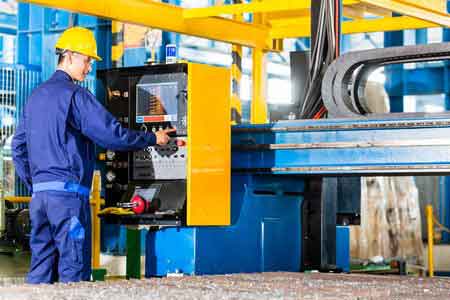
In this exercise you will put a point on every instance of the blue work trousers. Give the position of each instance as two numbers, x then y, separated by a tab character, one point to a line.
60	237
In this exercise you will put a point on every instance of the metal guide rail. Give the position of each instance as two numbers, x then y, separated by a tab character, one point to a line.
418	144
345	79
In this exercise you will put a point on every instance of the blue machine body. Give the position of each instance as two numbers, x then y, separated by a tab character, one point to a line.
343	248
417	144
264	234
269	165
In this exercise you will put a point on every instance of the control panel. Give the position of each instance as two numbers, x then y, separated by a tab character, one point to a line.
160	162
160	103
187	181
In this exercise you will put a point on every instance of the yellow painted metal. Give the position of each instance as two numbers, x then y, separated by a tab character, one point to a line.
439	6
17	199
413	9
168	17
430	232
384	24
267	6
273	16
258	106
117	48
359	11
24	199
236	75
301	28
95	198
209	140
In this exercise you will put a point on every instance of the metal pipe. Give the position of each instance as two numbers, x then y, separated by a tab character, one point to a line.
25	199
96	221
429	215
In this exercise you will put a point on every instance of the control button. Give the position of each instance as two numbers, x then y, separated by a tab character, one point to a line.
110	176
110	154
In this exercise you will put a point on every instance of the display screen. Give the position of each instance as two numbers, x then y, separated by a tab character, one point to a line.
156	102
148	193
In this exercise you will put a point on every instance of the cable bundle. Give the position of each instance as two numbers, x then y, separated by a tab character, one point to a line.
325	50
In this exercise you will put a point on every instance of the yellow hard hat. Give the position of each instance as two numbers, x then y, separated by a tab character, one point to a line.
80	40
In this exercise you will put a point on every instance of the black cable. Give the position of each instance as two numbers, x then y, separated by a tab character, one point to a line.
322	54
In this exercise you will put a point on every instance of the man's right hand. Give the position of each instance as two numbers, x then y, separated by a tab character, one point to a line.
162	137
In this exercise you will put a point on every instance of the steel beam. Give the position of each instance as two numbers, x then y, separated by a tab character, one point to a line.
297	28
267	6
169	18
413	9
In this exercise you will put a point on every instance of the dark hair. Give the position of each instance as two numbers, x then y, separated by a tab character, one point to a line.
60	58
60	53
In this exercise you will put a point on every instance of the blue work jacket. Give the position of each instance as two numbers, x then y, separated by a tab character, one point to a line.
55	138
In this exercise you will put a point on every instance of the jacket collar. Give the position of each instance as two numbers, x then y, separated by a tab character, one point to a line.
60	74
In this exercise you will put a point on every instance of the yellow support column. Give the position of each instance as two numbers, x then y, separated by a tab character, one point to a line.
96	203
429	215
117	48
236	74
258	109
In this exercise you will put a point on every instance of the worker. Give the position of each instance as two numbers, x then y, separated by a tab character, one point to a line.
53	152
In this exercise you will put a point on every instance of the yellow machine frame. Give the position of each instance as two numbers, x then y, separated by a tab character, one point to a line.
209	140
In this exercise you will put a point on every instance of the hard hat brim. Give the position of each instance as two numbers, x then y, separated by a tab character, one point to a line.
97	58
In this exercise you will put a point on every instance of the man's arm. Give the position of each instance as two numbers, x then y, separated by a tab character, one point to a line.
95	122
20	154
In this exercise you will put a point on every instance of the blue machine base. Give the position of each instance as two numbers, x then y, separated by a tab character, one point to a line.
265	233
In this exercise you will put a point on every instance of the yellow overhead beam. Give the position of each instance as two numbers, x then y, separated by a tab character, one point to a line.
169	18
267	6
359	11
414	8
301	28
385	24
287	14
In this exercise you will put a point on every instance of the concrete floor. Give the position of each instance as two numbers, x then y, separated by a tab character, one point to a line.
243	286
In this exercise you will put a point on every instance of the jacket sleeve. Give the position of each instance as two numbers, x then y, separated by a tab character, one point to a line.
95	122
20	154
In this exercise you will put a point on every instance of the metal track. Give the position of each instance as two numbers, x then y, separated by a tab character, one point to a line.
427	121
345	79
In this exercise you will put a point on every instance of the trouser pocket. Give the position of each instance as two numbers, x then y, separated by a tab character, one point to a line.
77	236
